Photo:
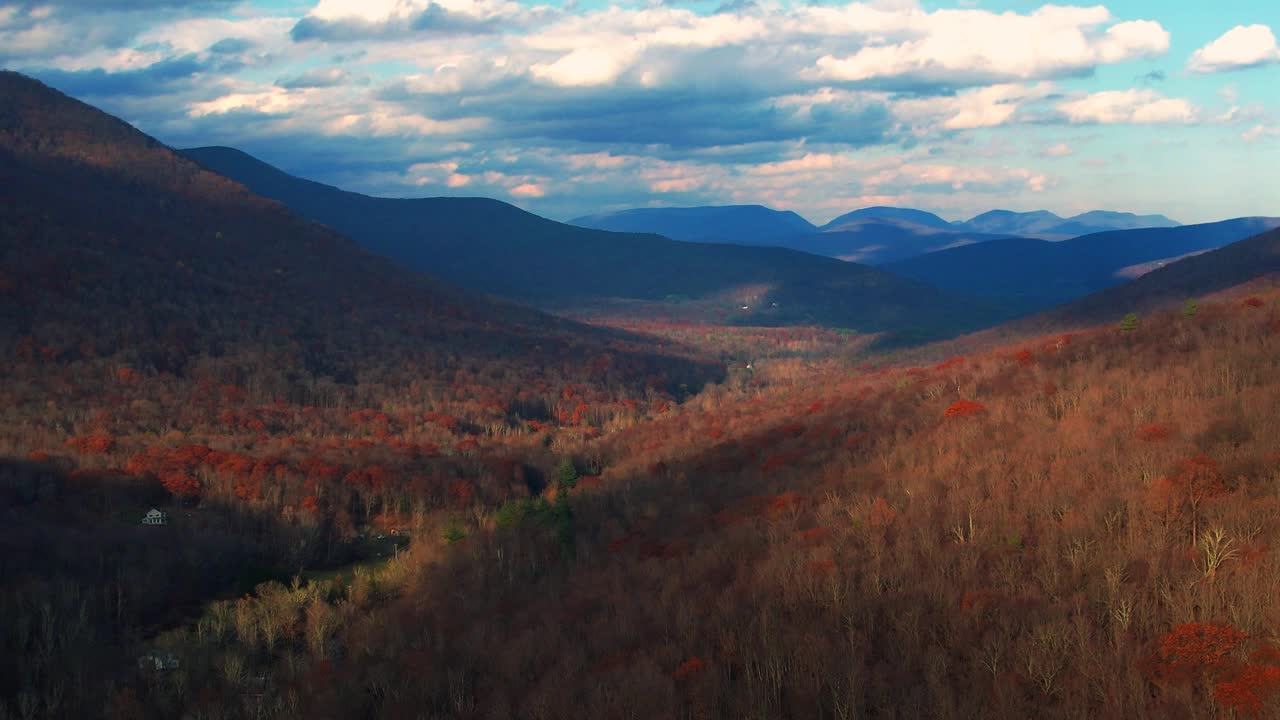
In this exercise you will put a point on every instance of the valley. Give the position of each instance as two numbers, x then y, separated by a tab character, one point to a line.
274	449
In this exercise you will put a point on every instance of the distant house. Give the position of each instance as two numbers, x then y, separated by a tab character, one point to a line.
158	661
155	517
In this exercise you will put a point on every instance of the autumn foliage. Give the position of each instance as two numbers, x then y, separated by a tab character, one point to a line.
964	408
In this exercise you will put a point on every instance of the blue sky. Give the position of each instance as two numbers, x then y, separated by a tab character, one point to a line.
577	106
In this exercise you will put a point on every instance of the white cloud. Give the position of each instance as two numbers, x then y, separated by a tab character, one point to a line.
1243	46
975	108
1138	107
1059	150
968	44
1260	132
275	101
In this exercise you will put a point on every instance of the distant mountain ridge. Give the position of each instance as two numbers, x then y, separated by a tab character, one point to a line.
1188	278
1046	225
906	215
746	224
494	247
872	235
1040	273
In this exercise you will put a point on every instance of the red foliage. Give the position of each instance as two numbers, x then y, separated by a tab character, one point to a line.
462	491
814	536
882	515
783	502
38	456
689	668
1253	302
311	504
1025	358
1194	650
126	376
448	422
965	408
974	600
947	365
180	484
821	567
97	444
1249	690
1154	432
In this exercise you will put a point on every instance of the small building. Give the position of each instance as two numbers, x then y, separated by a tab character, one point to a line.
155	517
158	661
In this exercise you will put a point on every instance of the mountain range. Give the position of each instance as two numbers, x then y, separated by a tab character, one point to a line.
1039	273
114	245
873	235
497	248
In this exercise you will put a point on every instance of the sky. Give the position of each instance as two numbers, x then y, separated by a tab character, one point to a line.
572	107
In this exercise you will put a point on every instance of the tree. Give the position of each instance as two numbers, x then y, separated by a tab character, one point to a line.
566	475
1190	308
1129	323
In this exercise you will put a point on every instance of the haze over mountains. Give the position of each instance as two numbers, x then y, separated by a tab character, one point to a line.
874	235
497	248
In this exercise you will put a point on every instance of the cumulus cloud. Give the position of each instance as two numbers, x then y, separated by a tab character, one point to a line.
1138	107
1243	46
975	108
349	21
972	46
569	109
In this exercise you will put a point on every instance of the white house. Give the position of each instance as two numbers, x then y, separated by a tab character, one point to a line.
159	661
155	517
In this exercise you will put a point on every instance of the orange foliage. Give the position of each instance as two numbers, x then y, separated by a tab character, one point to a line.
1249	690
882	515
1154	432
97	444
814	536
964	408
1194	650
689	668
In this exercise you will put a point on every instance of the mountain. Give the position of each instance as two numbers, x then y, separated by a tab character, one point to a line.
1048	226
491	246
742	224
877	241
1122	220
906	215
874	235
1039	273
173	341
1007	222
1193	277
114	245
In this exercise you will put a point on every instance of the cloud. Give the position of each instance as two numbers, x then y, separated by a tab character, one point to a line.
1137	107
976	46
975	108
569	108
315	78
1260	132
1243	46
1058	150
347	21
